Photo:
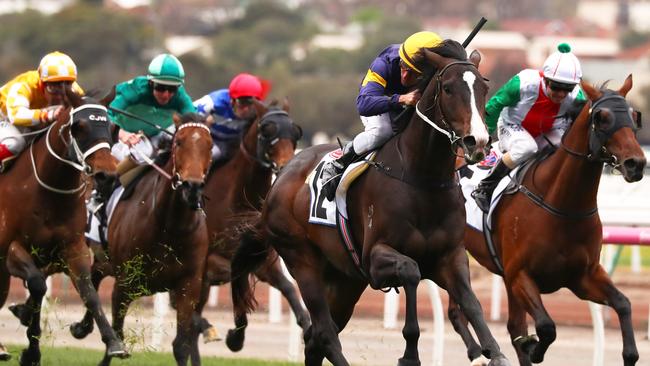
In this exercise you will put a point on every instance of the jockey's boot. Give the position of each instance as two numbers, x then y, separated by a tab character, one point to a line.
6	156
99	196
483	193
332	172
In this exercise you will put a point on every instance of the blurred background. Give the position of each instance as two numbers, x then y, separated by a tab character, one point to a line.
316	51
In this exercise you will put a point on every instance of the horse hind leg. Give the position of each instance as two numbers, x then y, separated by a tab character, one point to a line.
389	268
453	275
460	324
272	274
598	287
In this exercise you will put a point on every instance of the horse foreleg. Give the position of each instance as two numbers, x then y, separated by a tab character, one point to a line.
518	330
77	258
389	268
4	291
598	287
20	264
526	293
185	343
459	322
272	273
81	329
453	275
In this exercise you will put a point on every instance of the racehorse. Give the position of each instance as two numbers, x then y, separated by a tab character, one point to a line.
407	215
43	213
238	187
157	238
550	236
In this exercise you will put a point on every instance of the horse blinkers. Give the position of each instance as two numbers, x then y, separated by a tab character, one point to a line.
608	115
89	131
272	127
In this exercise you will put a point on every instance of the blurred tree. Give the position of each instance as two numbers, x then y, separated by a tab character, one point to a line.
632	38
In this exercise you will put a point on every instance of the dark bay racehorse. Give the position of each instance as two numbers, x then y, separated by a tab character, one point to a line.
43	214
556	241
407	215
157	238
236	189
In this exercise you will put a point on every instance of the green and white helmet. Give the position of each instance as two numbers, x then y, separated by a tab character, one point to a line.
166	69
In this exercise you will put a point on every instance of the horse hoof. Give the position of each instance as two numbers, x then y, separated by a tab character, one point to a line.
407	362
211	335
235	340
117	349
29	359
480	361
20	312
79	330
499	361
526	343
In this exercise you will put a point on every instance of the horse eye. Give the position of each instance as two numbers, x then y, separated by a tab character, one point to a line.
446	89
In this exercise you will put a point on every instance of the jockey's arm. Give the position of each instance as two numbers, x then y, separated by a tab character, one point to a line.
507	96
18	108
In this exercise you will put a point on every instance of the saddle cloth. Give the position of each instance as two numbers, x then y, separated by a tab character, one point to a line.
470	176
321	210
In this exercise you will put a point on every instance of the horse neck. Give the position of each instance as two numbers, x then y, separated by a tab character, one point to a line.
572	181
250	179
50	169
425	153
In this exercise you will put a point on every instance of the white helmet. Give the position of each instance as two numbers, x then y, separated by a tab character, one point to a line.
563	66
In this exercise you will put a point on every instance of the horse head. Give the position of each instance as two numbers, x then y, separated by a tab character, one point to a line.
456	92
191	157
90	135
277	135
612	127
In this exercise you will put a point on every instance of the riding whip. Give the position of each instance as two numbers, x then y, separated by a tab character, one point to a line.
131	115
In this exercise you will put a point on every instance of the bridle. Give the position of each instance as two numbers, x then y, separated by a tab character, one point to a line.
264	143
97	115
597	152
446	129
175	177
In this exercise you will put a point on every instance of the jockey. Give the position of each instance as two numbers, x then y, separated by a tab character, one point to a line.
386	89
528	111
230	111
154	97
32	100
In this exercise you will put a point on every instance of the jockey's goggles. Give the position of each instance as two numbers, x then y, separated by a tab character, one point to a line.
555	86
56	87
161	88
244	101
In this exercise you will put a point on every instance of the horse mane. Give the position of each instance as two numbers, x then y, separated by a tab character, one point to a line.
191	117
448	49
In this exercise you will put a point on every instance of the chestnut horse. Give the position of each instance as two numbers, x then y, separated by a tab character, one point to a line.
554	239
238	188
44	213
407	215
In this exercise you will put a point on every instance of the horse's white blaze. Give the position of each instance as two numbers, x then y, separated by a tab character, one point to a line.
196	136
477	129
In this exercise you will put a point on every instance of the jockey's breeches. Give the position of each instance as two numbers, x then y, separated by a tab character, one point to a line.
378	129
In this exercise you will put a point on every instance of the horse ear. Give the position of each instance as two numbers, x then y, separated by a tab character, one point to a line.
73	99
434	58
592	93
177	120
475	58
627	85
105	101
260	108
285	104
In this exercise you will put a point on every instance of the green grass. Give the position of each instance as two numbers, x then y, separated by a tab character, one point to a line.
66	356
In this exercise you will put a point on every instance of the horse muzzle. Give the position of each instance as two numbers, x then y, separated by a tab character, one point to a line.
192	193
632	169
473	151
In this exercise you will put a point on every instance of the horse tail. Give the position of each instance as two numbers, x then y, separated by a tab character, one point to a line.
251	253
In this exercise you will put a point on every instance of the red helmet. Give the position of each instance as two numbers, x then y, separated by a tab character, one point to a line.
247	85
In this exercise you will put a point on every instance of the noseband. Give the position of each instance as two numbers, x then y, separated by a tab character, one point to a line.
455	140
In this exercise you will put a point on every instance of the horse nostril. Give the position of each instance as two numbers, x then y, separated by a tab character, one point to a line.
469	142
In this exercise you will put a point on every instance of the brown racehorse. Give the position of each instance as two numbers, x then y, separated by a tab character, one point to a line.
157	238
407	215
554	240
43	214
238	187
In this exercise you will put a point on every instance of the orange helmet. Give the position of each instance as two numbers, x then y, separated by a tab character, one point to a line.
57	66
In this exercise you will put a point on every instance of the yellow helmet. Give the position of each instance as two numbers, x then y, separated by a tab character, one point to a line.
57	66
412	45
